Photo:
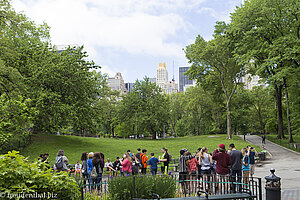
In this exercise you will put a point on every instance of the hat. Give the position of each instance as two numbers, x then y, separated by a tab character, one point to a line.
118	157
91	154
222	146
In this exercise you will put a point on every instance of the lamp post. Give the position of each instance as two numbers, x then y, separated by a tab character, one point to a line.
244	125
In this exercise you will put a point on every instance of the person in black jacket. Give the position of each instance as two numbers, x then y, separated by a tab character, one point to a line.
98	164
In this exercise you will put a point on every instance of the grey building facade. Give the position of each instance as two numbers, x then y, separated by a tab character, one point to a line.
183	79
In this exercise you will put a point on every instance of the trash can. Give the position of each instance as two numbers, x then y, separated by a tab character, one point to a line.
262	155
273	186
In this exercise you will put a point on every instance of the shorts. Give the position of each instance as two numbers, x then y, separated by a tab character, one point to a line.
252	168
193	172
182	176
207	171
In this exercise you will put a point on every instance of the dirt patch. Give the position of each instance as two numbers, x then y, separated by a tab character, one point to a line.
213	136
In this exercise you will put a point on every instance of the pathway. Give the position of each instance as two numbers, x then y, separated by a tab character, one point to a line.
287	166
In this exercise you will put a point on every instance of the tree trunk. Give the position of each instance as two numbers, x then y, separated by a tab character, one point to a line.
228	121
288	113
278	95
262	125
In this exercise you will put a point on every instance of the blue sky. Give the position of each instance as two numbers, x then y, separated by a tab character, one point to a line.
130	36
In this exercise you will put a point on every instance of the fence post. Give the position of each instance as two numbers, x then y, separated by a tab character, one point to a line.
133	186
260	189
82	195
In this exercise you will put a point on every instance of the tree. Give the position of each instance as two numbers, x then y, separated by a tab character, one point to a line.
267	32
145	106
215	58
176	109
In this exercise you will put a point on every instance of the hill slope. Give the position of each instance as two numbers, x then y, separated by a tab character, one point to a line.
74	145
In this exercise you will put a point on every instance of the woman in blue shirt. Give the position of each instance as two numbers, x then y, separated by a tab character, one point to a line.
89	170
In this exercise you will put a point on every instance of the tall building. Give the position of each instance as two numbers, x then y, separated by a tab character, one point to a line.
117	83
161	74
184	79
129	86
162	81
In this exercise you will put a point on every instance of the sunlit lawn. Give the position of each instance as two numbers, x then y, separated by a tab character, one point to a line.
75	145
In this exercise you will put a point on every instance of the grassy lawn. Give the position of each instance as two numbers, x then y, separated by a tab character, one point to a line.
74	145
284	142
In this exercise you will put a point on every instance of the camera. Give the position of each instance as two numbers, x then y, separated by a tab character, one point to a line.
251	148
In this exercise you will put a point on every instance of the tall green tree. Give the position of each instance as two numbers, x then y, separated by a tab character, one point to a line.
215	58
267	33
146	106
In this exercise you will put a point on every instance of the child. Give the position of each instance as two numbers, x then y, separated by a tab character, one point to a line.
153	164
78	168
245	167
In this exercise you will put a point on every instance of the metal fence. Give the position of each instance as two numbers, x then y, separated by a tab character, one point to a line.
192	185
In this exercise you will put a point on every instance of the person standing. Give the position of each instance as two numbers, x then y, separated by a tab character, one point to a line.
84	172
165	159
222	167
252	153
183	169
246	167
89	170
138	154
205	161
263	139
153	164
61	161
144	160
126	164
98	164
135	165
236	168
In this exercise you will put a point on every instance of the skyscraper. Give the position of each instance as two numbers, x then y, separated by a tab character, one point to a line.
162	81
184	79
117	83
161	74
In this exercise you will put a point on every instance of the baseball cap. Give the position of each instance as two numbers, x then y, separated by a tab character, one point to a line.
222	146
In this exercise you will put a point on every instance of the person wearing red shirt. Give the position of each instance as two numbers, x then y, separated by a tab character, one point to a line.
223	162
126	163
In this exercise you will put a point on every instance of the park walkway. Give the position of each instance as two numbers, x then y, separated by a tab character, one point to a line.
287	166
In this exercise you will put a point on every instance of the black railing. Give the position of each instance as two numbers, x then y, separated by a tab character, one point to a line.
194	185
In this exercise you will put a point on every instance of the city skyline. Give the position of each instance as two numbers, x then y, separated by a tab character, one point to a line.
130	36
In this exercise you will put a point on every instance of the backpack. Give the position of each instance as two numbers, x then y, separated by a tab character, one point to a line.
94	173
191	164
169	158
59	164
144	160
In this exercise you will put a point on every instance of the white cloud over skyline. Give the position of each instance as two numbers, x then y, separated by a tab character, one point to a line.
117	29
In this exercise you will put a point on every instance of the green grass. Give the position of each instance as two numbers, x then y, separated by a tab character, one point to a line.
284	142
74	145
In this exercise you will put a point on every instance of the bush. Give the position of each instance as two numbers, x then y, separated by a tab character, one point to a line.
122	187
18	176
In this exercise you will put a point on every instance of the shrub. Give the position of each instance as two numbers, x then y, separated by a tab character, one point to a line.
122	187
18	176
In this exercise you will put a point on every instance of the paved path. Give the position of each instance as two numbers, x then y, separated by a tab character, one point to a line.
287	166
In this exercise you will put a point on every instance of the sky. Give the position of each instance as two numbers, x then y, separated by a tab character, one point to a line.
130	36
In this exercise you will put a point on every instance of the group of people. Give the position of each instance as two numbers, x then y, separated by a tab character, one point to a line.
221	162
192	166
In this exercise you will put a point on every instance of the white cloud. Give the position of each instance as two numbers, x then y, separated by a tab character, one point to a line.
136	26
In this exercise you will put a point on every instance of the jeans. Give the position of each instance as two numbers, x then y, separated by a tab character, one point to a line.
238	174
154	171
98	180
92	181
